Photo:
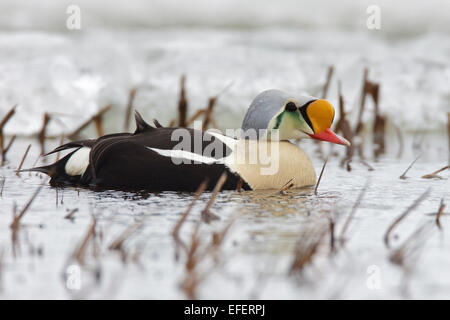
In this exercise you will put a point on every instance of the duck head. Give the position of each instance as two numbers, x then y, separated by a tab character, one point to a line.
293	117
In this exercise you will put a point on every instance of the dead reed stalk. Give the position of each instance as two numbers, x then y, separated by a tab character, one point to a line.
16	218
306	247
403	176
208	113
179	224
71	215
439	214
157	124
80	250
5	150
196	115
97	118
448	135
352	213
2	185
117	244
403	216
42	133
218	237
207	215
129	109
3	122
327	82
320	176
360	124
196	253
379	127
238	186
288	185
407	254
61	141
434	175
182	103
343	125
23	160
401	144
332	232
372	89
364	162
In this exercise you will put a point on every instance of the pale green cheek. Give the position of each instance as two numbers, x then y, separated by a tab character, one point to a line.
292	122
289	124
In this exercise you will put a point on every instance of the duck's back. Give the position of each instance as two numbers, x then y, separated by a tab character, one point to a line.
155	159
152	161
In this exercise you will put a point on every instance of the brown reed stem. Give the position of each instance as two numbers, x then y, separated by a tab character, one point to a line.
129	109
208	113
207	215
2	185
42	132
5	150
343	125
176	229
439	214
320	176
327	82
95	118
15	223
182	103
4	121
23	160
448	135
71	214
61	141
360	124
286	186
197	114
79	252
239	185
352	213
403	176
118	242
403	216
435	173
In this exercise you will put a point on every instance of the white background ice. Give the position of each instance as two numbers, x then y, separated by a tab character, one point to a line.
44	67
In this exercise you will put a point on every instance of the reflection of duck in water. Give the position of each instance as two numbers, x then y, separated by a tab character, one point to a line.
272	202
151	157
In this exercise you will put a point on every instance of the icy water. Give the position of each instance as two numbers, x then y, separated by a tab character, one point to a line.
257	252
148	45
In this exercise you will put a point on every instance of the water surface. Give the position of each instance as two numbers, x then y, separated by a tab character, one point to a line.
257	252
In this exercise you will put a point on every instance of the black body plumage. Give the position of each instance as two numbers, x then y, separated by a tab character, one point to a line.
126	161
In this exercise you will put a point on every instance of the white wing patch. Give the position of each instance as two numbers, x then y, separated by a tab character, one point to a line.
228	141
78	162
186	155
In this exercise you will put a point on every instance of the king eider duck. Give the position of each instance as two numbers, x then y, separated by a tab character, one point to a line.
157	158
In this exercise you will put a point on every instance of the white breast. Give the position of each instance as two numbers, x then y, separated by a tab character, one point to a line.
262	164
271	164
78	162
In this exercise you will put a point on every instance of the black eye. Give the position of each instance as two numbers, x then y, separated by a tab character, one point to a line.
290	106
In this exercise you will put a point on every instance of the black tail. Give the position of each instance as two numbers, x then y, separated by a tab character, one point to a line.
48	170
57	171
141	125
